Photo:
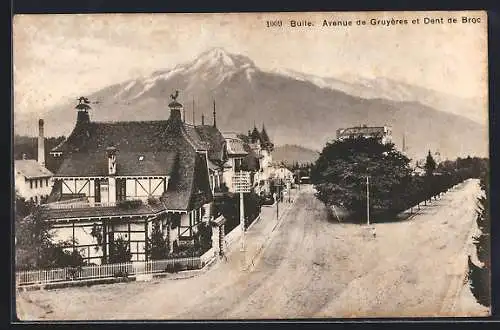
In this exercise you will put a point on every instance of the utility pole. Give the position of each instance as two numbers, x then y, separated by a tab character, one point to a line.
193	114
242	221
241	183
277	201
289	187
368	200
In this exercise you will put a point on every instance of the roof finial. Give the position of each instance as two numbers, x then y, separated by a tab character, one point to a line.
175	95
193	114
83	104
215	117
404	142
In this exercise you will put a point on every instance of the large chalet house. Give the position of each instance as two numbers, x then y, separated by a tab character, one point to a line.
116	178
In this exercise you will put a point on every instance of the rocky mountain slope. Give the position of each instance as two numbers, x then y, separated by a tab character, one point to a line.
295	111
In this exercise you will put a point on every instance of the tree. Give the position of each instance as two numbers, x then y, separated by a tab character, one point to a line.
339	174
204	236
32	233
35	248
430	164
119	251
157	244
480	276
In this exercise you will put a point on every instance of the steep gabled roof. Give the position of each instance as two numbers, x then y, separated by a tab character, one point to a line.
235	145
128	163
255	135
265	141
30	169
129	136
89	212
198	142
215	140
145	148
263	135
192	177
251	160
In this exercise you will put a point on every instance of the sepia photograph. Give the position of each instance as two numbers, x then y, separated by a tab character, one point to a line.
251	166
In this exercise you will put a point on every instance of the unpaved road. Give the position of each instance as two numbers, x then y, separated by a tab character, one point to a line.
310	268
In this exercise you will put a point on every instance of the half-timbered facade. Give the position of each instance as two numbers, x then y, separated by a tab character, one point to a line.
116	178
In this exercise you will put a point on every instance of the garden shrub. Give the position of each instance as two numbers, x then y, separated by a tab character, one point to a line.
129	204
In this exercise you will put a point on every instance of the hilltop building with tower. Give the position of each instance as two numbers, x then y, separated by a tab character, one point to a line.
381	133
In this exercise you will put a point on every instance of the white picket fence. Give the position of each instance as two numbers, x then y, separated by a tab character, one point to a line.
112	270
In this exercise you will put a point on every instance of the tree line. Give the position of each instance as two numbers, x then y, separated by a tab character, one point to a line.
341	171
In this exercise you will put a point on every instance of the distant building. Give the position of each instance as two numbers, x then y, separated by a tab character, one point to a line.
418	165
261	145
236	154
33	181
381	133
282	173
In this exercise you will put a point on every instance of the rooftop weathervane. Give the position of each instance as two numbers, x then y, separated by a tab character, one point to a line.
174	96
83	103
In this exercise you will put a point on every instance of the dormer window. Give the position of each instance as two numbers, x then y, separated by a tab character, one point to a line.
56	154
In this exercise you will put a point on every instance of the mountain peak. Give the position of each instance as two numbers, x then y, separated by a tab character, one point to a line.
219	57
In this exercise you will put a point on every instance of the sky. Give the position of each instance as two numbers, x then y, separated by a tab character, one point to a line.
60	57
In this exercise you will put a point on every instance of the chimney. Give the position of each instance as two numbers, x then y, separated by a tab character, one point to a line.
111	153
215	121
83	107
41	144
202	119
175	111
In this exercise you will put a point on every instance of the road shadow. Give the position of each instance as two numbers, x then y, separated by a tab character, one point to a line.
338	215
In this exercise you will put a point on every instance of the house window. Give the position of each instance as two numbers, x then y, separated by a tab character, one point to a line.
47	182
237	164
175	221
36	183
31	184
97	191
41	183
121	189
